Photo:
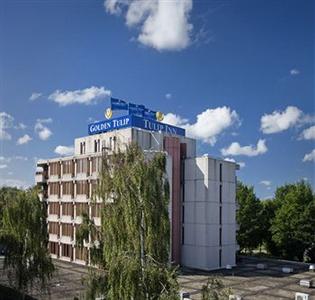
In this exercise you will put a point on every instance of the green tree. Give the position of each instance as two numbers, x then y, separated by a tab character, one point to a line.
293	227
249	217
269	208
135	233
24	233
7	194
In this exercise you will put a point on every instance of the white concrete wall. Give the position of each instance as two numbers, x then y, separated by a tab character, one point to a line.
123	137
201	245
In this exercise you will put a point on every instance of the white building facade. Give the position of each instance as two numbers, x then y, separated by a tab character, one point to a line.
202	199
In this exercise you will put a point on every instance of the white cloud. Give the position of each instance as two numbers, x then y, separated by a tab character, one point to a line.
20	126
240	163
5	159
294	72
14	183
236	149
266	183
3	166
164	25
280	120
6	122
18	157
230	159
9	159
210	123
175	120
35	96
46	120
87	96
24	139
43	131
308	134
64	150
114	6
168	96
309	156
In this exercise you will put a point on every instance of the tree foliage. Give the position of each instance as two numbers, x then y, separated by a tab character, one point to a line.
24	232
293	227
285	224
249	216
269	208
135	233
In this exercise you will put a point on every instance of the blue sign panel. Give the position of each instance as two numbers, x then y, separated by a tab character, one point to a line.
134	121
117	104
152	125
109	125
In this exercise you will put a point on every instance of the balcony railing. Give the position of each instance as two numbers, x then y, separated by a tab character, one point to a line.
41	176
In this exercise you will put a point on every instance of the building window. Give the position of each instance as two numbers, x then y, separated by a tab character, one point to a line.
97	145
220	258
81	208
115	142
67	209
54	248
67	230
66	250
81	253
220	236
220	193
82	148
53	208
183	235
220	172
96	164
220	215
110	143
94	184
53	228
54	188
83	187
96	210
83	165
68	167
54	169
67	188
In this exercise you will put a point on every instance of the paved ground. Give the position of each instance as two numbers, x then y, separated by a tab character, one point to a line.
245	280
250	283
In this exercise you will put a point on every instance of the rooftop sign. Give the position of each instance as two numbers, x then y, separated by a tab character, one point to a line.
133	121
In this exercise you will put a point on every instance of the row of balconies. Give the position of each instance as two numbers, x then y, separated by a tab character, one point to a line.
74	220
70	240
41	178
69	168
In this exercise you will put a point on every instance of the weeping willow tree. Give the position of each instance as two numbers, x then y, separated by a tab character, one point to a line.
24	233
134	239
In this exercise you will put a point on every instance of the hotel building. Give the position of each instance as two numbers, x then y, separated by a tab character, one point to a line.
202	192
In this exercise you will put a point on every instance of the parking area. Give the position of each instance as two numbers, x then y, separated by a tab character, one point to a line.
245	280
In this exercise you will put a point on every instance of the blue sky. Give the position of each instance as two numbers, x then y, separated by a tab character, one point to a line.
233	73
